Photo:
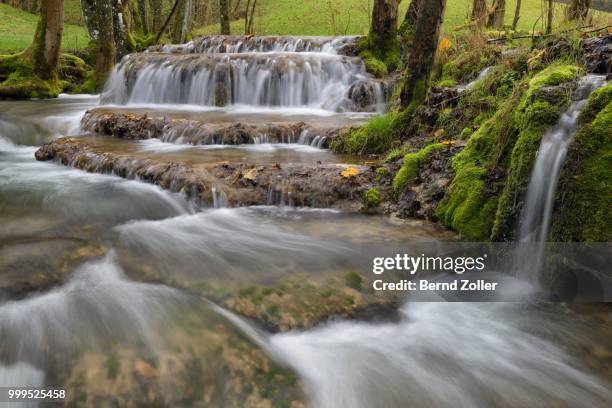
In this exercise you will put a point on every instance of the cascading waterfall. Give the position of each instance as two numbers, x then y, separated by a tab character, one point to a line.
539	201
320	79
346	45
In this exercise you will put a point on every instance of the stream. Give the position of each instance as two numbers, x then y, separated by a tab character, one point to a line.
98	274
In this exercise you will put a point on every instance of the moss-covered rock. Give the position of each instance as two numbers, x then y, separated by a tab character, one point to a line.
375	137
536	114
380	56
410	166
18	80
492	172
372	197
582	207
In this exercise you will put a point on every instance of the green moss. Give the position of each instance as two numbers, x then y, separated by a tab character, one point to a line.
492	171
381	173
372	198
375	137
410	166
584	193
380	55
373	65
533	121
113	365
18	79
597	101
446	83
353	280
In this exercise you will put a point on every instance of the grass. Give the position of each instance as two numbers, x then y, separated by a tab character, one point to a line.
338	17
18	26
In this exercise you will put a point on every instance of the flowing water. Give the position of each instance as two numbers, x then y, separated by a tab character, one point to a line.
101	277
539	200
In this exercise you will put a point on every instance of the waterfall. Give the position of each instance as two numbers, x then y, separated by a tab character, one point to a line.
215	44
535	217
212	76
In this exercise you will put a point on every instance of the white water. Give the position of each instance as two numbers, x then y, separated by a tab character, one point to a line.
98	303
315	80
237	44
437	355
481	75
539	200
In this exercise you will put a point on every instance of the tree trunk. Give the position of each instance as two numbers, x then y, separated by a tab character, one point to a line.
250	18
106	42
423	52
45	49
182	21
157	10
517	15
496	18
479	11
224	17
90	16
144	17
384	21
578	9
549	16
120	28
407	29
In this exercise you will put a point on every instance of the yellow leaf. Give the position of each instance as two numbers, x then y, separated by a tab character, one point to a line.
445	44
439	133
250	175
350	172
449	142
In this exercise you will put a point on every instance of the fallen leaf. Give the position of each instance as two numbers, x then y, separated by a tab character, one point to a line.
350	172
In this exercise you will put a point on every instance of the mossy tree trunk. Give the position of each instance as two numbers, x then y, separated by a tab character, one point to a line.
105	41
517	14
157	8
121	33
479	11
423	51
496	18
224	17
384	23
578	9
45	49
407	29
88	8
182	21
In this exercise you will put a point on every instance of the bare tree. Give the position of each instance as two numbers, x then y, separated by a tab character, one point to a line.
423	51
549	16
182	21
144	16
479	11
224	14
496	18
156	11
249	17
578	9
45	49
517	15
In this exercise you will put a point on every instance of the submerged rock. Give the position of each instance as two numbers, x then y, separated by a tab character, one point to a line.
240	184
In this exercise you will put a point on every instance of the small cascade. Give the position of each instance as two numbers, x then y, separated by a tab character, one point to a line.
318	80
470	85
314	140
219	197
539	201
255	71
217	44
